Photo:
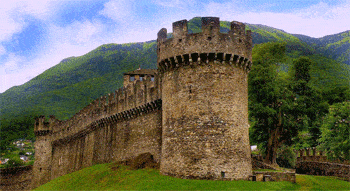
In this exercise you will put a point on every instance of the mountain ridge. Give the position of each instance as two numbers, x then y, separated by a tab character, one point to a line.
65	88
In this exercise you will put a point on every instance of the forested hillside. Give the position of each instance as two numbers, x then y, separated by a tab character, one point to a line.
335	46
74	82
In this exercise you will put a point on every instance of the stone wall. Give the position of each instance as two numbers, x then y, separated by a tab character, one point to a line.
314	155
17	178
205	101
122	100
193	119
324	169
236	42
275	176
114	127
110	142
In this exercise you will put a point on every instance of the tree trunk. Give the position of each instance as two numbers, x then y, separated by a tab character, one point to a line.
272	146
274	142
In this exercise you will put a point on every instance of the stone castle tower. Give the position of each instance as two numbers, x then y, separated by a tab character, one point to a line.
204	92
191	114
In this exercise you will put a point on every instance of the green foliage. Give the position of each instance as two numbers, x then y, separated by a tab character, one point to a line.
14	162
309	106
286	157
109	177
270	101
335	131
335	46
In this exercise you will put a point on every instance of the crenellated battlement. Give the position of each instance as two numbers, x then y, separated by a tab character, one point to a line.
210	44
119	117
132	96
314	155
41	127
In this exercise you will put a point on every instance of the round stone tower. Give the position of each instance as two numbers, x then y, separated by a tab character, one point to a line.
204	85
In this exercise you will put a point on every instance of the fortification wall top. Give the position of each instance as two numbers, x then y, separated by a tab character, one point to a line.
236	42
41	126
123	99
315	155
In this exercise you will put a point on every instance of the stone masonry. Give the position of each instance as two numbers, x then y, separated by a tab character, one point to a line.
191	114
204	79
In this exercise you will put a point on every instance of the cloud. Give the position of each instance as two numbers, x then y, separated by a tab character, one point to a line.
76	33
127	23
317	20
14	13
324	19
75	39
118	10
9	71
175	3
8	24
2	50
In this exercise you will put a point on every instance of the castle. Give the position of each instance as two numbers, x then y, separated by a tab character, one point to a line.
191	113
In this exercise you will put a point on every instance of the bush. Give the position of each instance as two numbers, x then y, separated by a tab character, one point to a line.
286	157
13	162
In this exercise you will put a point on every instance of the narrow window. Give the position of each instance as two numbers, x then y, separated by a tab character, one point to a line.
141	78
152	78
222	174
132	78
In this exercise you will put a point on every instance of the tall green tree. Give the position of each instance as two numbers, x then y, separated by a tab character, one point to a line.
335	131
270	101
309	105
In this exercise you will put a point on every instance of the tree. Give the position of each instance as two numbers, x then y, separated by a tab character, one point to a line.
309	106
335	131
270	101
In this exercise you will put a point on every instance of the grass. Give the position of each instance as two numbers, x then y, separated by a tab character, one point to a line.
113	177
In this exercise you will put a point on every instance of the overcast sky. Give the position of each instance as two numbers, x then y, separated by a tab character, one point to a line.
37	34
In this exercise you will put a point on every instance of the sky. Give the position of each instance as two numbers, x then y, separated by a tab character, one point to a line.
37	34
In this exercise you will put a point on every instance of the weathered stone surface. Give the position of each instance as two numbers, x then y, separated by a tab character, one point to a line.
205	102
191	115
323	169
275	176
17	178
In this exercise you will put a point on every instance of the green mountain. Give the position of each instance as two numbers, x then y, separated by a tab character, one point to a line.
76	81
335	46
70	85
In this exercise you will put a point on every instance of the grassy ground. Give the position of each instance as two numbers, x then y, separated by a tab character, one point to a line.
113	177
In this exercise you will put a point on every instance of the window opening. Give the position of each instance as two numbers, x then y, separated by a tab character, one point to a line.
222	174
132	78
